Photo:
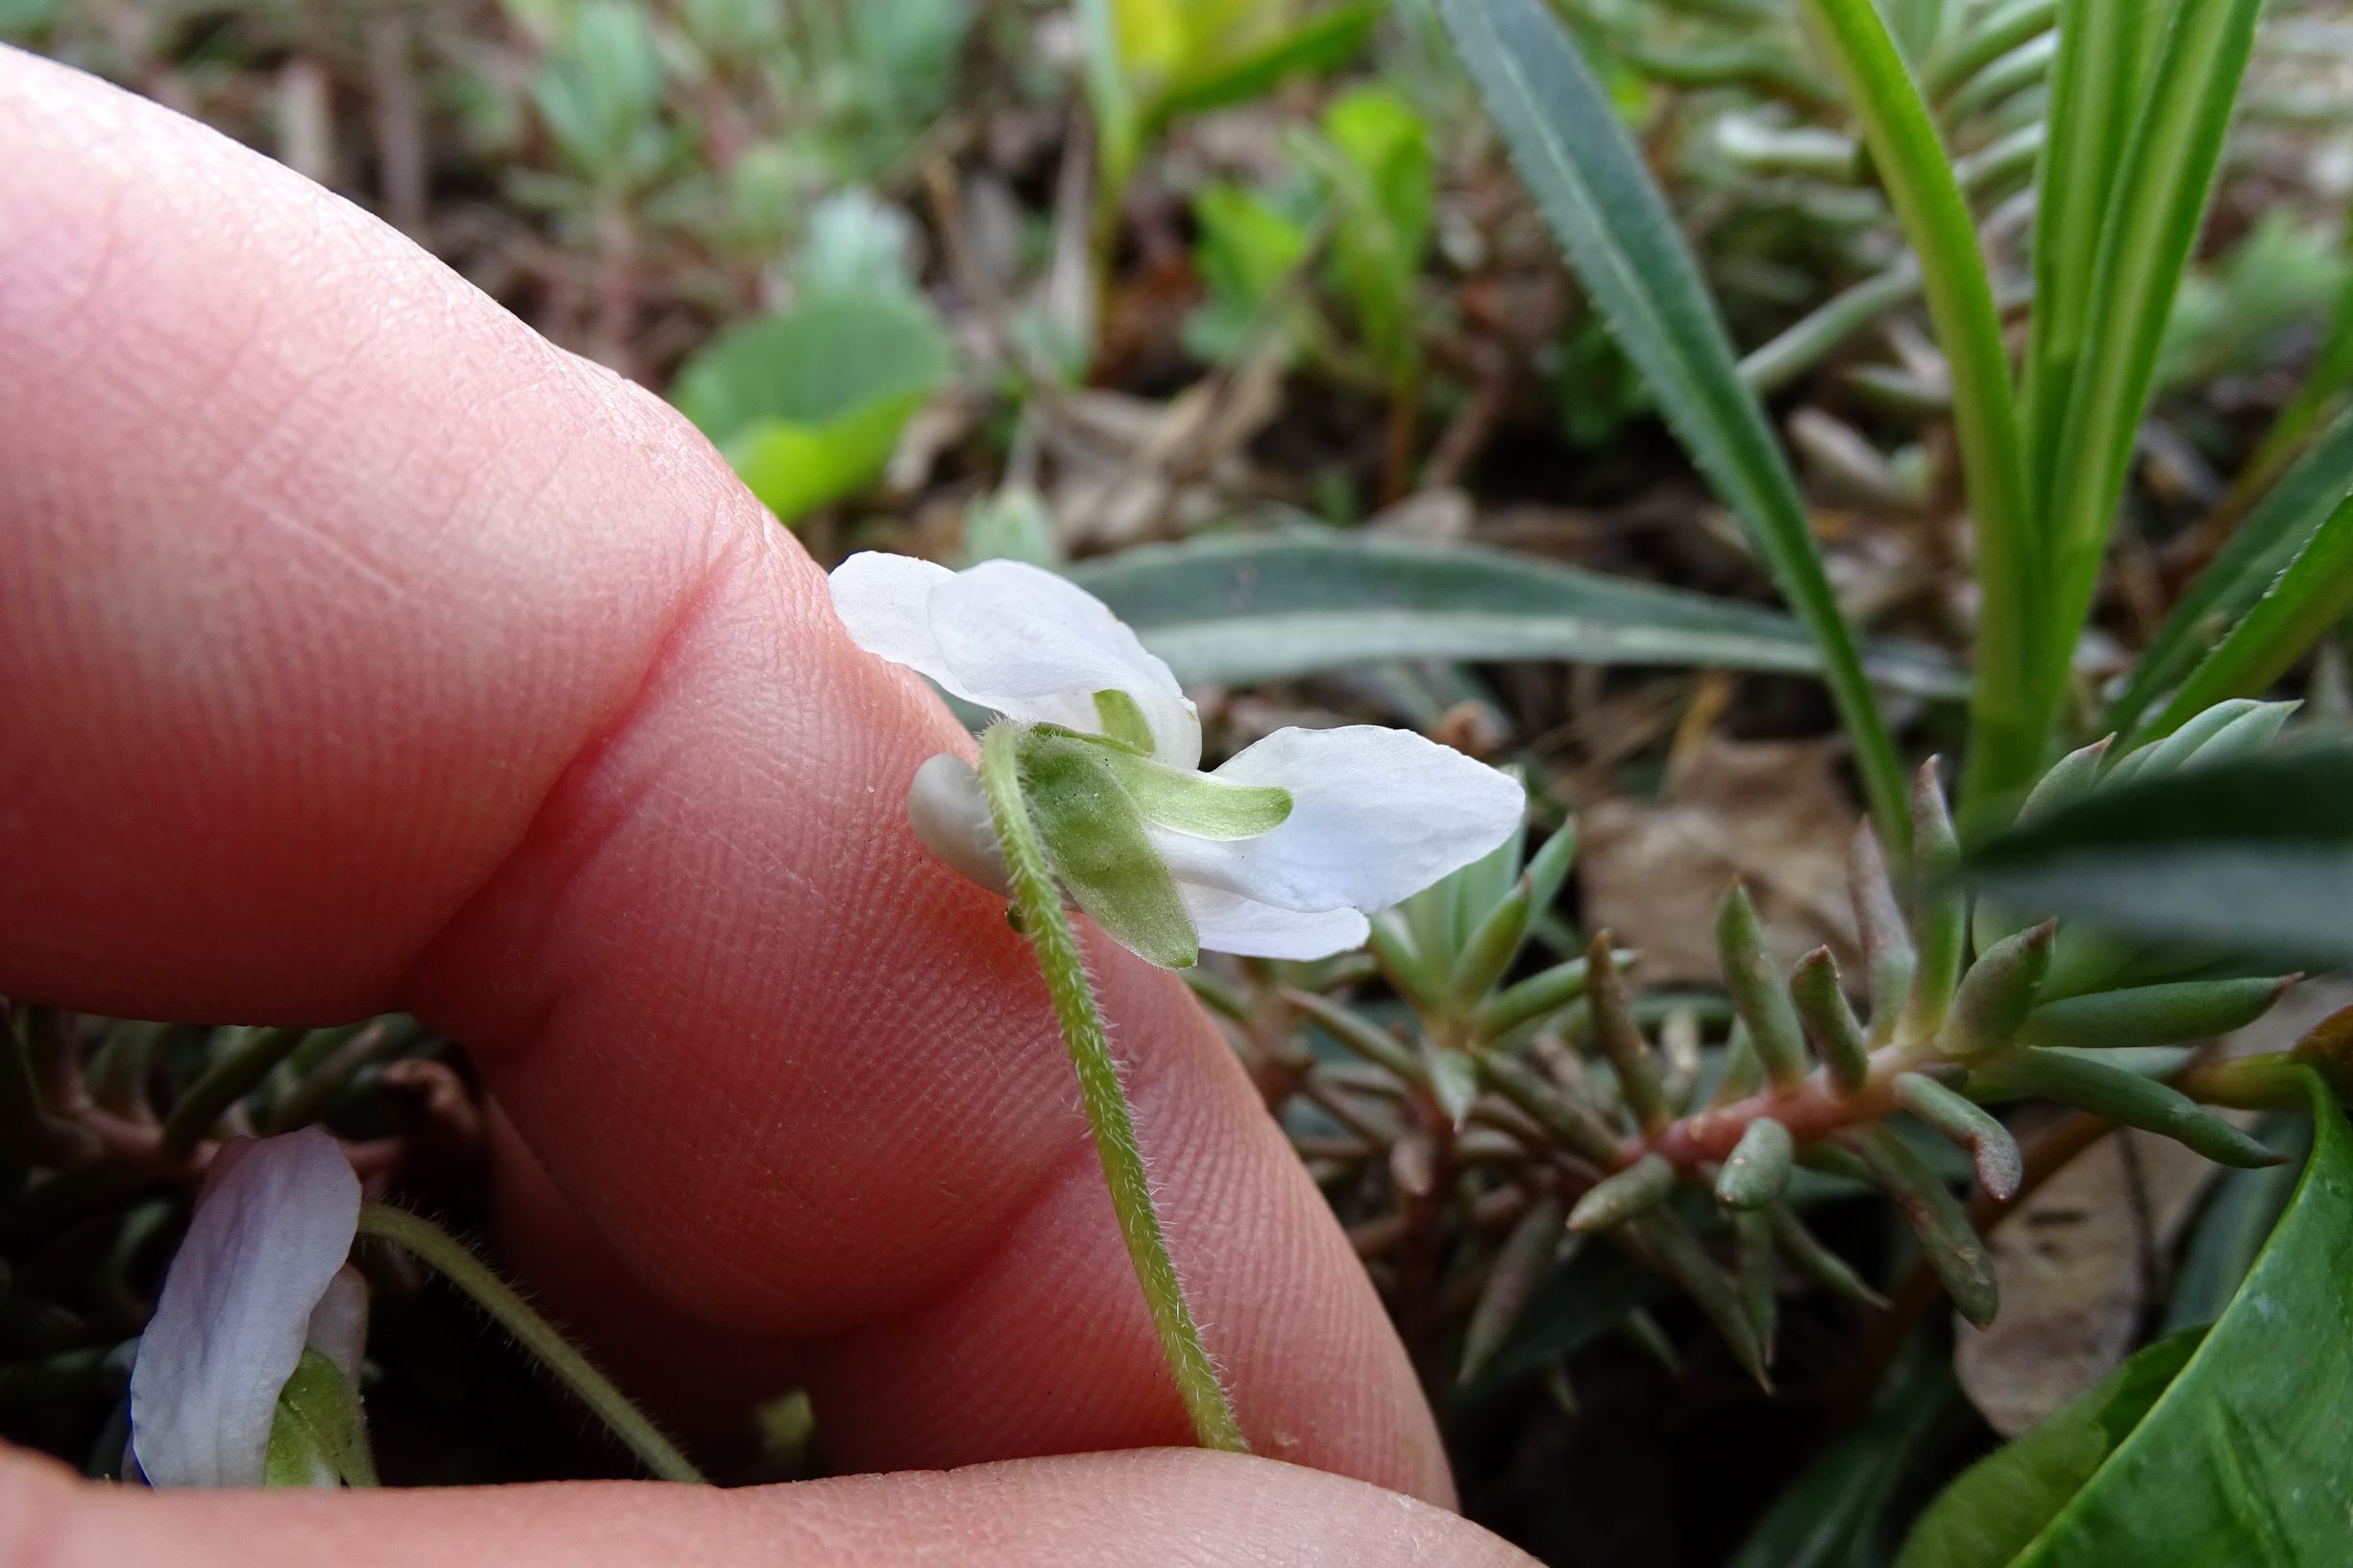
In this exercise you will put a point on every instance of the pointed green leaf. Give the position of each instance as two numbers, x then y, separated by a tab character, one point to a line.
2154	211
2251	857
1593	190
2169	1015
1936	216
1228	609
2310	595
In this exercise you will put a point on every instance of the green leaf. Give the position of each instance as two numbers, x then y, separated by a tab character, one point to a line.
2240	1212
1385	184
599	92
2234	316
2311	594
1095	838
1242	608
2154	211
1197	803
2095	86
1987	1518
2253	857
2238	1458
2276	533
2167	1015
2007	738
1595	191
808	405
1248	247
1217	72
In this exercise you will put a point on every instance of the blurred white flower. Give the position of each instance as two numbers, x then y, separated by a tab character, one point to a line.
260	1277
1373	815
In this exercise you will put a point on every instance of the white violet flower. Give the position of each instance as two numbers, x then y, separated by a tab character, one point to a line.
1281	852
260	1279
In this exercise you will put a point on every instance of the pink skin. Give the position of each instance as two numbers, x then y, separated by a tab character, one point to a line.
360	650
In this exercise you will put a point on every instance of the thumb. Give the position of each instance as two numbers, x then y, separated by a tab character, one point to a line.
364	651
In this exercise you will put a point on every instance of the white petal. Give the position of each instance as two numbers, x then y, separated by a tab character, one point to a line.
1226	923
1377	814
1037	646
268	1235
338	1328
950	813
885	600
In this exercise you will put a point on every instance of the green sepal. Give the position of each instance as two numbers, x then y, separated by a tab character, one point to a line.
1196	803
320	1437
1094	838
1122	721
1490	948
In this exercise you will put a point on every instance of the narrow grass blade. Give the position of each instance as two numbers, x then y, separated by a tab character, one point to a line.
2310	595
1590	180
2154	213
2275	534
2103	51
1935	217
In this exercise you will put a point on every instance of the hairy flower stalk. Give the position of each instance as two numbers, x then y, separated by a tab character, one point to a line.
1040	903
1090	790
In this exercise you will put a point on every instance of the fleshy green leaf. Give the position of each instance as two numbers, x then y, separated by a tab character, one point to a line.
1243	608
1094	837
1601	203
808	405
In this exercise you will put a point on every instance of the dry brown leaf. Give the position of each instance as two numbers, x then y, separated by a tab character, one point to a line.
2077	1262
1771	812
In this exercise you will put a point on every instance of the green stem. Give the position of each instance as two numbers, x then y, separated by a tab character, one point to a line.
1039	903
231	1077
448	1256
